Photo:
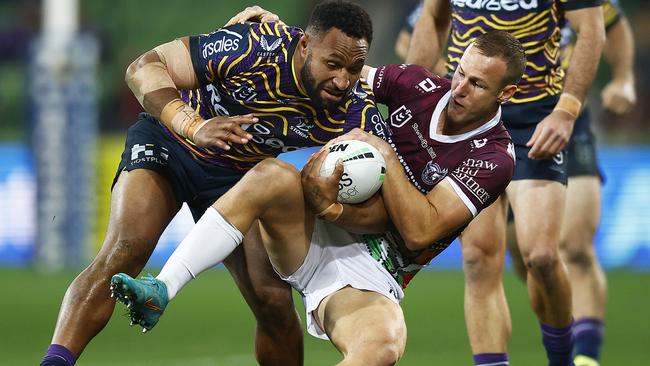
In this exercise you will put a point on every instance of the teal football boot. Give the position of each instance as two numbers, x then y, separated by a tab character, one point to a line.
145	298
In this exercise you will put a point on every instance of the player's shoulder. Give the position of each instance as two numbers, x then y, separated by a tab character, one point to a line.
410	76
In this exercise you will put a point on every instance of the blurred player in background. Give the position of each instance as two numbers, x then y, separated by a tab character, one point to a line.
404	39
352	283
200	137
582	208
540	118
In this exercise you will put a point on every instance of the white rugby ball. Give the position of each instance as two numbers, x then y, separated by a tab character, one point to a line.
364	169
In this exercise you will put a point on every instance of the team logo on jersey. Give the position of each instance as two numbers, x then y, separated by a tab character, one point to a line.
244	93
477	144
496	5
222	42
400	116
149	153
559	158
433	173
427	86
359	92
270	45
301	126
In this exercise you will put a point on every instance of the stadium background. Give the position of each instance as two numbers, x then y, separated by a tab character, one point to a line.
210	324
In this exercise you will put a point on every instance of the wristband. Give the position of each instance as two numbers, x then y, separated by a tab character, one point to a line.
332	212
181	118
569	104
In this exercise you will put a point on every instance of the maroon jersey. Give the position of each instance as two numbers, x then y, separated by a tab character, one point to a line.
478	164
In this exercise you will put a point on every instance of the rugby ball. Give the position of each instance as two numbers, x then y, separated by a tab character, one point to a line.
364	169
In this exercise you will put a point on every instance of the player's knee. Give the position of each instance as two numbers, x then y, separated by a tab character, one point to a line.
579	256
121	255
386	350
273	307
276	172
541	263
481	261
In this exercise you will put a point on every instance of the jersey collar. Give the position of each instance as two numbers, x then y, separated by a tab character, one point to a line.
440	107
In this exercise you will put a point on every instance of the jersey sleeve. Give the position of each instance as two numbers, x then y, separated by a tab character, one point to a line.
612	13
215	55
393	83
481	178
569	5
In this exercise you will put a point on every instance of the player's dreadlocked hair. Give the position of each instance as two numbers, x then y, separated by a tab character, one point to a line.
344	15
504	45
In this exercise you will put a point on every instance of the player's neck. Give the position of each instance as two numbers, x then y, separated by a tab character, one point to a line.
447	127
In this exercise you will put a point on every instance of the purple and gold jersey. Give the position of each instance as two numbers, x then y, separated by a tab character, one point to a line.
478	164
247	68
537	25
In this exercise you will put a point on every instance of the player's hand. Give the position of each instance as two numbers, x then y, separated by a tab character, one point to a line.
551	135
255	14
619	96
358	134
320	192
221	130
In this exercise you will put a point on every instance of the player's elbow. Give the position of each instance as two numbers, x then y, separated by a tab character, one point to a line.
420	237
131	77
414	243
130	72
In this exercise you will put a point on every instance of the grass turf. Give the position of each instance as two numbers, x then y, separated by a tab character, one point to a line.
209	324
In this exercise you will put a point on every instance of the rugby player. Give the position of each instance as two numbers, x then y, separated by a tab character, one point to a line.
448	157
198	139
540	118
582	207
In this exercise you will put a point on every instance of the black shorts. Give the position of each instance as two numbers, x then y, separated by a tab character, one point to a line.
194	182
582	149
521	120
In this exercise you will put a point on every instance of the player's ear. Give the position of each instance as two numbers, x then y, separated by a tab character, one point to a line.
506	93
303	45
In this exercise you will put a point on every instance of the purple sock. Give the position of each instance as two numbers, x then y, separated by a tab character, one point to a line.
57	355
588	334
492	359
559	345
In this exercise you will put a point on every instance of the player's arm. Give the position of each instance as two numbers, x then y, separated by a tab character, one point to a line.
590	38
321	196
155	79
553	132
156	76
429	34
619	95
420	219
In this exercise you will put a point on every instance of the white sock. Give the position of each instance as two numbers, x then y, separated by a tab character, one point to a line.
209	242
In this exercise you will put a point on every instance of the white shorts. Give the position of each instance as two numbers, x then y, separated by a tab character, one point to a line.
337	259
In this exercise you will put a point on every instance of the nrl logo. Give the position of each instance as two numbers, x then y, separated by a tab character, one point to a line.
244	93
400	116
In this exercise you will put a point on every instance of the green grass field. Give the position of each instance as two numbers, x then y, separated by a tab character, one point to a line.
209	324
